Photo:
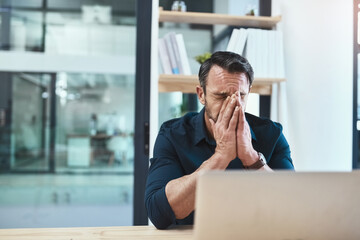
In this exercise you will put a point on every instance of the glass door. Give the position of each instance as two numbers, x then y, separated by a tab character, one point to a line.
67	113
29	122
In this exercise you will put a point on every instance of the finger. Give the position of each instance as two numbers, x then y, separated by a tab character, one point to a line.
223	107
242	120
237	98
229	112
212	123
234	119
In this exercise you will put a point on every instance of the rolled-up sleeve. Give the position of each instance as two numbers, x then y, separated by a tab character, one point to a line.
164	167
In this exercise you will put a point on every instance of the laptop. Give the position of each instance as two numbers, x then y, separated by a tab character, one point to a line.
277	206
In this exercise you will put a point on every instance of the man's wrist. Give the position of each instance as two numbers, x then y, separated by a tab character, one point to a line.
251	158
220	160
225	154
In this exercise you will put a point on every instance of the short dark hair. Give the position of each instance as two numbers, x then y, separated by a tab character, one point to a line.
231	62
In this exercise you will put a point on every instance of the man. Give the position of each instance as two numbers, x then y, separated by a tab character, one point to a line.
222	136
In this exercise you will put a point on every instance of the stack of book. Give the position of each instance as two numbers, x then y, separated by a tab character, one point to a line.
263	49
173	56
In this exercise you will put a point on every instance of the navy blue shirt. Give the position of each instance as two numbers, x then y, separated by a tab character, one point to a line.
183	145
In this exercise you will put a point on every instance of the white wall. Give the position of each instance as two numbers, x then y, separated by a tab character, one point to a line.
318	58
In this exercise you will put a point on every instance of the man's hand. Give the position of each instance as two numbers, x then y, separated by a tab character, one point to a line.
180	192
224	129
245	150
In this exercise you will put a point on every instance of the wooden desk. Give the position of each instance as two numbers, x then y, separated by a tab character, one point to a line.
92	233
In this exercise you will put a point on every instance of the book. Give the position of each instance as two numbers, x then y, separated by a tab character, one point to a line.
164	57
175	47
170	51
260	53
183	55
251	48
233	40
241	41
265	52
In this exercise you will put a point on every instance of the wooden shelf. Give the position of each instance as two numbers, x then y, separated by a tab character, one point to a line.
188	83
214	18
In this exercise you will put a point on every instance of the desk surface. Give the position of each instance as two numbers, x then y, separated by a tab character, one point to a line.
92	233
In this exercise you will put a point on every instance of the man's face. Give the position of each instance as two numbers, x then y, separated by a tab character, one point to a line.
220	84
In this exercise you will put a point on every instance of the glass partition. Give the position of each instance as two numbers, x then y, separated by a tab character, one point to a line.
95	116
95	28
30	116
67	122
94	122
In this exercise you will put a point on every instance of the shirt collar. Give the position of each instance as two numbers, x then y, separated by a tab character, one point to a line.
251	130
201	130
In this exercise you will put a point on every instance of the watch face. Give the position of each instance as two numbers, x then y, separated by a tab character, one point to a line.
262	158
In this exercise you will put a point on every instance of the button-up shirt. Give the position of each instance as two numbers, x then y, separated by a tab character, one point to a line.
183	144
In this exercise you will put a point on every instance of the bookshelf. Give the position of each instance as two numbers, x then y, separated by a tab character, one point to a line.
161	83
188	83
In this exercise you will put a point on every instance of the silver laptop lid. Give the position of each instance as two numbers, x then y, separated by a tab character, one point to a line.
279	205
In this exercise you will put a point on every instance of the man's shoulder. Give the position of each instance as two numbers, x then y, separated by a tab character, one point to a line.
179	125
260	123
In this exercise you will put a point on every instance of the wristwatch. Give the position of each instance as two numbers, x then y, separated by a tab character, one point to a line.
258	164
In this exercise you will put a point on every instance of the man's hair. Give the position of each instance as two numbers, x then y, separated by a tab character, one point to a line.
231	62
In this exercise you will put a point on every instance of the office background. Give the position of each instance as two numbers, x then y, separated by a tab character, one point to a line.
68	100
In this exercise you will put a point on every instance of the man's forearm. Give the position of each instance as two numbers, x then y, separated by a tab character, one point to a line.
180	192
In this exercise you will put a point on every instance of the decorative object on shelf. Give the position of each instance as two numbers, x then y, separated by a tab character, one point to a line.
179	6
251	13
252	10
202	58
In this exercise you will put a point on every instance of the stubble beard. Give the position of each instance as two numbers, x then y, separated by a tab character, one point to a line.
209	114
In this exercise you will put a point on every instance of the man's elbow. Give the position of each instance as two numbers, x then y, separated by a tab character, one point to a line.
160	224
159	220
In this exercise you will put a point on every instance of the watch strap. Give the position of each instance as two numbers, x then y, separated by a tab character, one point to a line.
258	164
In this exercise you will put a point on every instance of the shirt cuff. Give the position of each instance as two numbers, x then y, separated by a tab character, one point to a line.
164	206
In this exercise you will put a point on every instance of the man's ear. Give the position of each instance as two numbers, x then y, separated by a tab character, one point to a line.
201	95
